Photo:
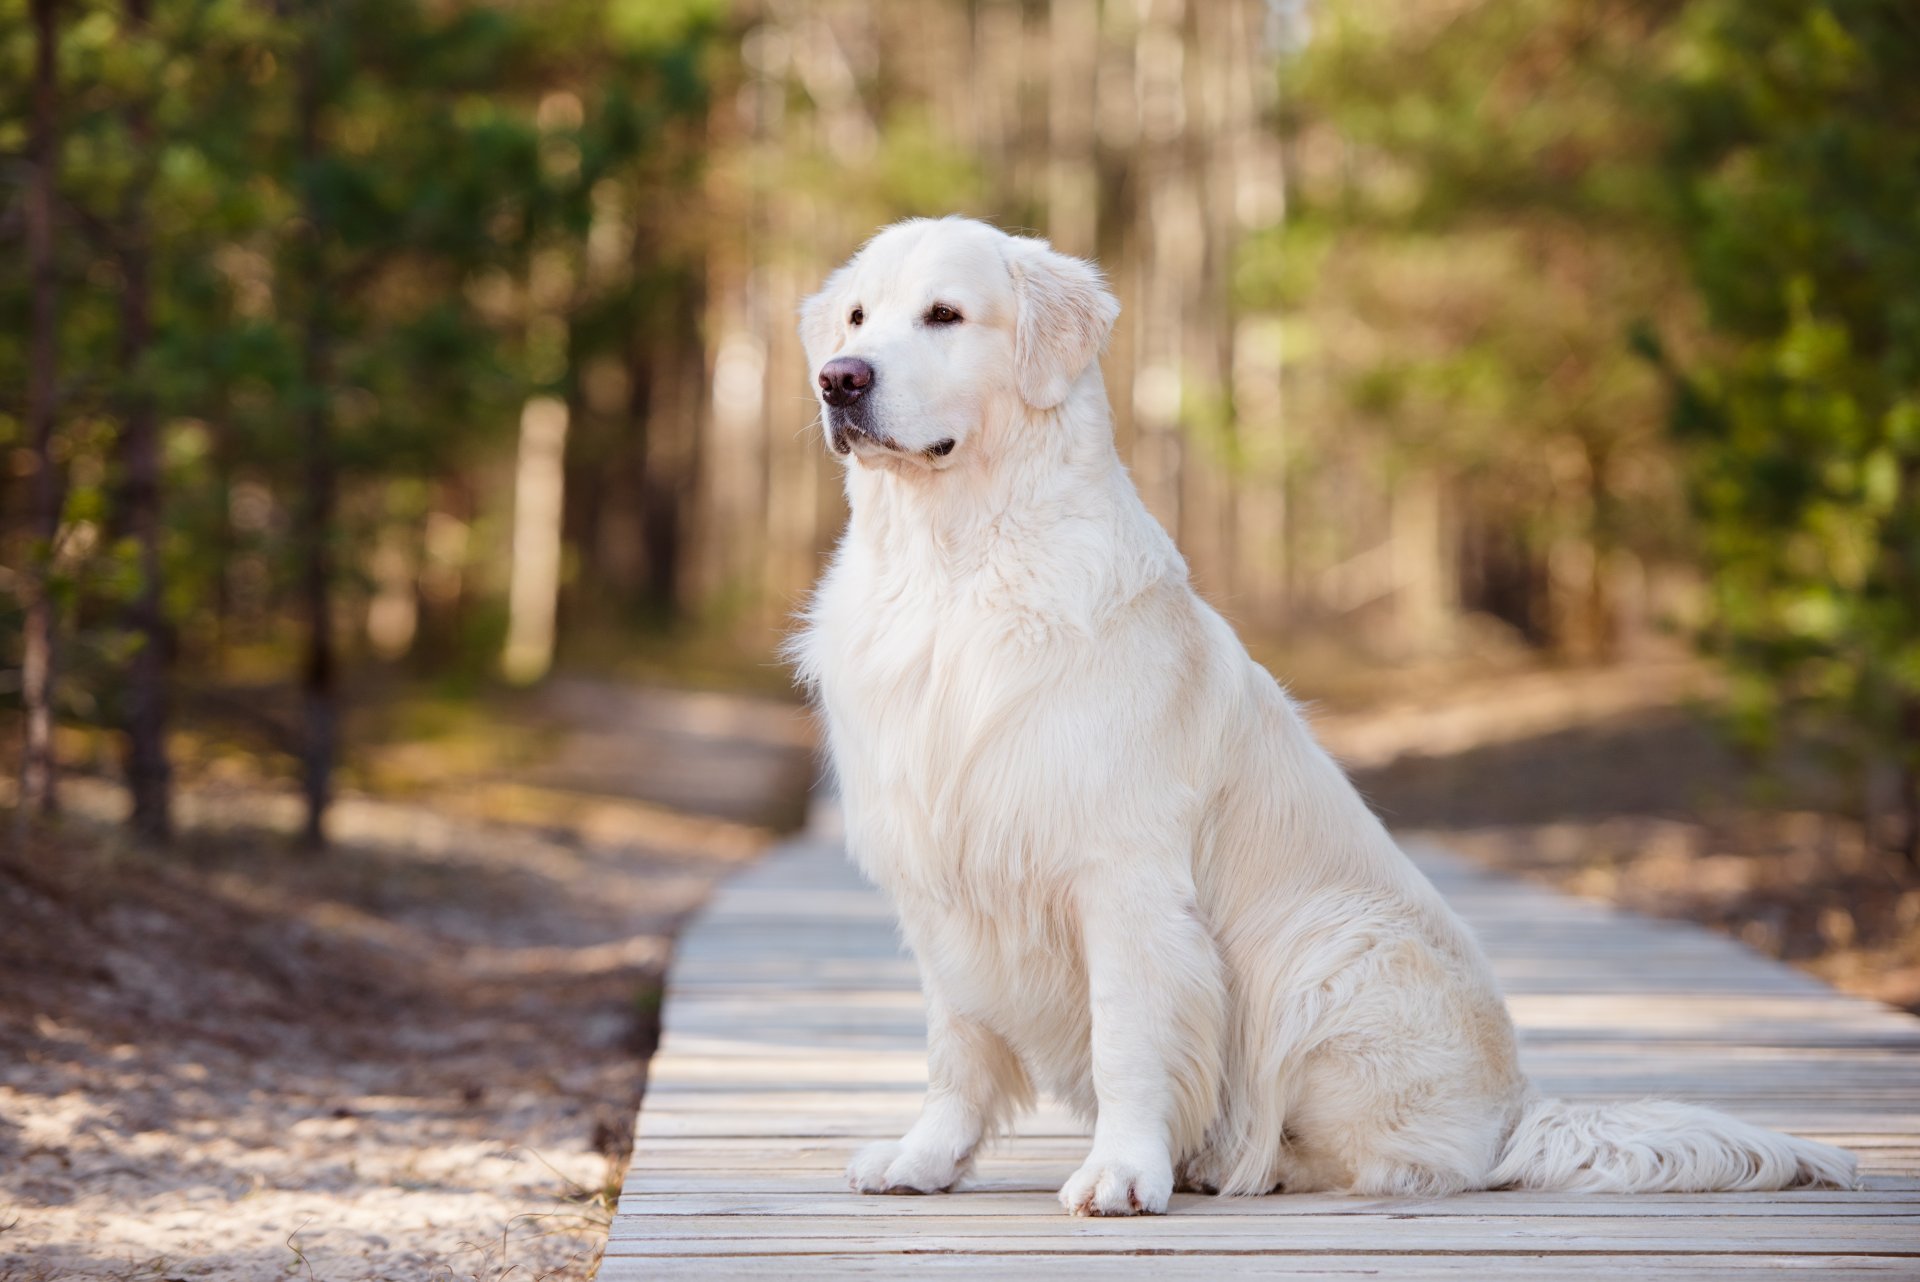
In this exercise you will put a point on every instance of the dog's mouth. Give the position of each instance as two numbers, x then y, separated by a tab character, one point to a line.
846	432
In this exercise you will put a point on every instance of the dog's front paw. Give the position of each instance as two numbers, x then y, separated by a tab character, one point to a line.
1119	1185
892	1167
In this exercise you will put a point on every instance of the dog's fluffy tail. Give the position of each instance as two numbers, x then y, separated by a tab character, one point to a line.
1657	1146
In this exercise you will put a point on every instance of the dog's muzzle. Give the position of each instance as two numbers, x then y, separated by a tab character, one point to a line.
842	432
844	383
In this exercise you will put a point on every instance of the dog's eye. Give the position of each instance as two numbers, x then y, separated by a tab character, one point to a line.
859	314
941	314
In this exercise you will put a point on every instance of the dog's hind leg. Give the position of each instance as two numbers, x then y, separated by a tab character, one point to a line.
1417	1092
974	1084
1158	1004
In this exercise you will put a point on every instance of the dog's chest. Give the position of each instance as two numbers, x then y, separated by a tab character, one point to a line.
912	674
936	705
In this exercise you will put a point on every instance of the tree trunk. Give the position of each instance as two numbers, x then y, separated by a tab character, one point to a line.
149	776
38	766
662	451
225	544
539	505
1908	778
319	677
635	464
663	409
1601	640
318	673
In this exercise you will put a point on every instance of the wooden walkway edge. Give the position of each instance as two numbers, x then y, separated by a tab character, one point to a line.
793	1033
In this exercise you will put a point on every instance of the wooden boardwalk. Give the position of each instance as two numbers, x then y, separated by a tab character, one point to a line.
793	1034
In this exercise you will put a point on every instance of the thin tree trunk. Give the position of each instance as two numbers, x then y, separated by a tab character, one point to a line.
671	537
635	463
225	543
1601	640
651	462
1909	844
591	493
661	456
539	504
149	776
319	677
1907	780
38	767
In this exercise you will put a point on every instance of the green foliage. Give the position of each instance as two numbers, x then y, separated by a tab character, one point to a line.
1476	221
410	184
1797	150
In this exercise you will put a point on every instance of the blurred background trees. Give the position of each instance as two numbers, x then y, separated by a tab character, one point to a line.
443	339
1795	156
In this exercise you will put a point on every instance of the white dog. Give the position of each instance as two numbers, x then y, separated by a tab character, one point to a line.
1128	873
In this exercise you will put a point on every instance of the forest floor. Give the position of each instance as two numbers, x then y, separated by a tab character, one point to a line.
417	1057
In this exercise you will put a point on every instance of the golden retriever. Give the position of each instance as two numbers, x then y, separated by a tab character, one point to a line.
1127	871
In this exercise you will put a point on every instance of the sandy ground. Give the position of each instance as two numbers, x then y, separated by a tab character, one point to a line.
415	1057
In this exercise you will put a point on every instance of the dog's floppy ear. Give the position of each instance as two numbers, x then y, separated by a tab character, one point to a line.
820	317
1066	313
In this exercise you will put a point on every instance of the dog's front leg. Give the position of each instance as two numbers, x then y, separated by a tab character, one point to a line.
974	1080
1158	1002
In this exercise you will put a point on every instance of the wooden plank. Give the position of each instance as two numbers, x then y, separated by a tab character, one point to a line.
854	1128
827	1197
650	1234
668	1190
1156	1268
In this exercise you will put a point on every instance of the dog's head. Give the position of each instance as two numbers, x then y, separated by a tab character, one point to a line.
937	327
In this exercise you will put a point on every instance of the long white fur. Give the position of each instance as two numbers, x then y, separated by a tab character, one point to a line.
1129	874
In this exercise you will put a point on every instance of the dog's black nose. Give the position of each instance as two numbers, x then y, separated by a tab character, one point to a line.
844	379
